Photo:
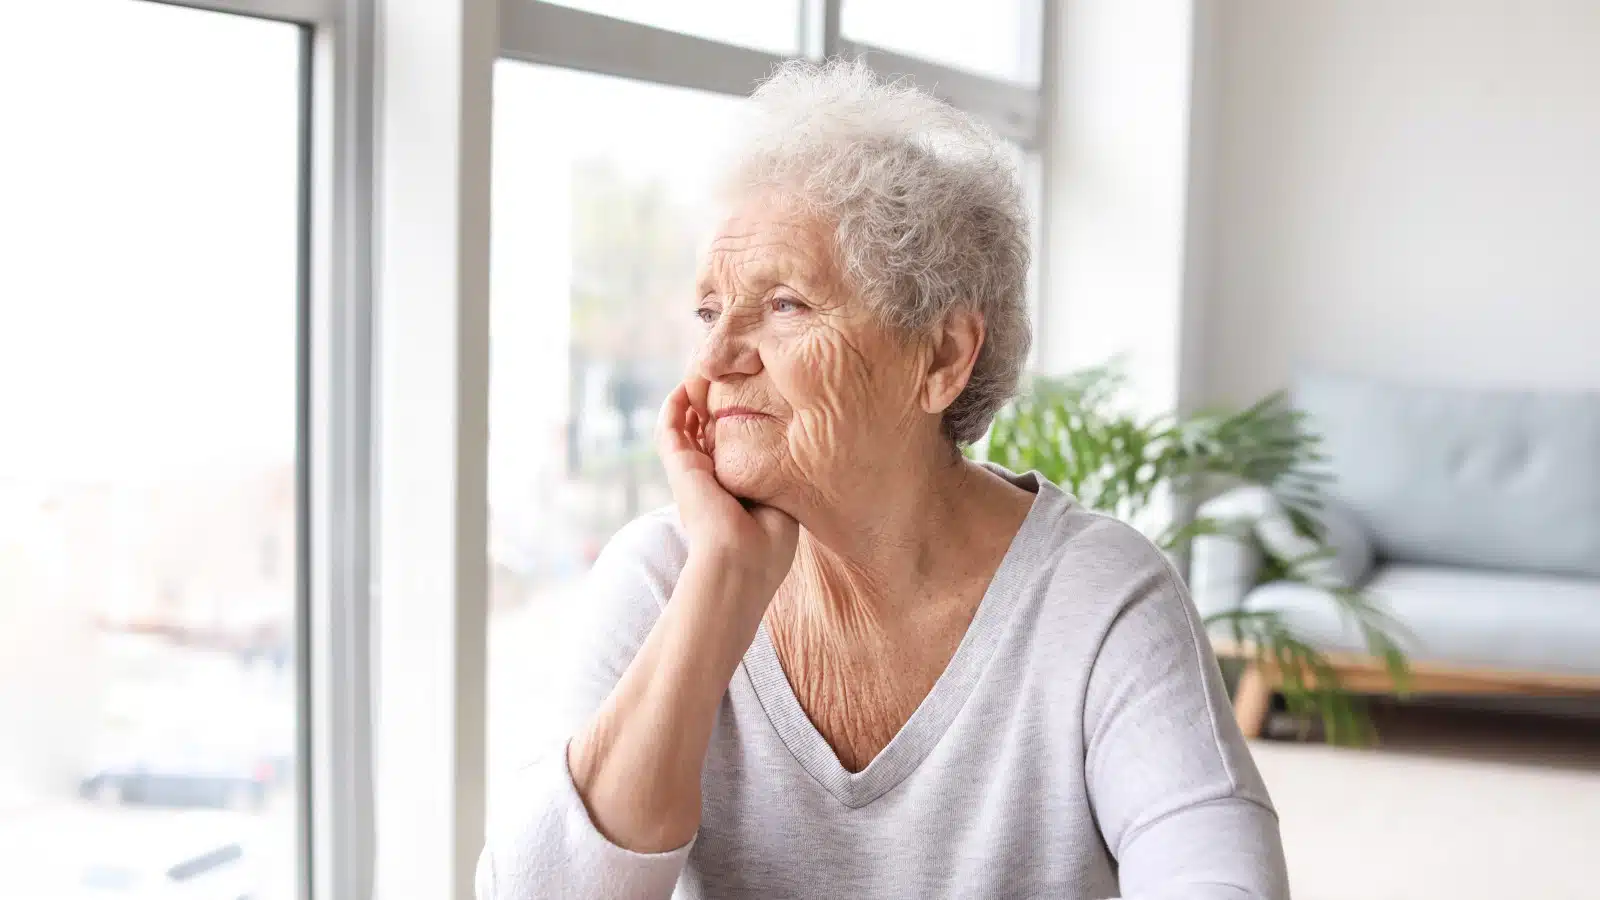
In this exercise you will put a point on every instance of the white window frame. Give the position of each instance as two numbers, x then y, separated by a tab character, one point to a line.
333	808
395	304
545	33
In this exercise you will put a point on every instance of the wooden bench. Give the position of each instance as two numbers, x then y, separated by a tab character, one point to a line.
1358	673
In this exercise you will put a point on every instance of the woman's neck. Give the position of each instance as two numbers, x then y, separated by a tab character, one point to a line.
876	562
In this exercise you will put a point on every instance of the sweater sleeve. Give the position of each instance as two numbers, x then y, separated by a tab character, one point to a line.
1175	793
541	842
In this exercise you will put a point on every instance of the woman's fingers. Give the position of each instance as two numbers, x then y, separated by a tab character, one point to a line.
671	409
707	434
698	390
683	433
685	422
671	433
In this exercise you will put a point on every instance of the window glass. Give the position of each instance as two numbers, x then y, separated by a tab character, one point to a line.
771	25
998	39
148	507
602	197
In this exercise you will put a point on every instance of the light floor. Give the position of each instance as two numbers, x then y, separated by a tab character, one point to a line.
1456	805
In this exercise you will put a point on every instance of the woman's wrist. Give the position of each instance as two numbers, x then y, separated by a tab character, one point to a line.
722	597
730	574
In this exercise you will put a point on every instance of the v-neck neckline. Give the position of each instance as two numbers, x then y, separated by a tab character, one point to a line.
933	716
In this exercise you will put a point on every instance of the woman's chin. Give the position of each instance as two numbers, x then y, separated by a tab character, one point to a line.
746	475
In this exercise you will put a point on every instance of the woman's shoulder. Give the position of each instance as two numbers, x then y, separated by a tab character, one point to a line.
1071	544
1091	561
1107	593
1097	539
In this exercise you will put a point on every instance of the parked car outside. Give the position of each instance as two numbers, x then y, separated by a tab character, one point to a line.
74	852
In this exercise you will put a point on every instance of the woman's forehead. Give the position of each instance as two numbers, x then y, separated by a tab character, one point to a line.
769	242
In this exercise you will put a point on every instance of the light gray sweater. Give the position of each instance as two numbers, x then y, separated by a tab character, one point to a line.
1079	745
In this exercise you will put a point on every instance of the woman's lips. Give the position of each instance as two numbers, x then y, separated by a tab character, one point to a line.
739	413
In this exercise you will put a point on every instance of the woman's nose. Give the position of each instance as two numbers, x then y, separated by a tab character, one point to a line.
728	350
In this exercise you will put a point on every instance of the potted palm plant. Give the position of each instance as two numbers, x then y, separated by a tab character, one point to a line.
1079	432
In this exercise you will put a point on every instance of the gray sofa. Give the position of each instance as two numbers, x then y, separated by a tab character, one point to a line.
1473	516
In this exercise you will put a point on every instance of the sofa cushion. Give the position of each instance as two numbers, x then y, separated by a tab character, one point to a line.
1478	478
1509	621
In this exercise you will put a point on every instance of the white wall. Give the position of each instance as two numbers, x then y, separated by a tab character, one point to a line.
1406	188
1117	190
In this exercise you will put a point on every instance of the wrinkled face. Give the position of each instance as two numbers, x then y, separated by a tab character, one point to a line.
810	395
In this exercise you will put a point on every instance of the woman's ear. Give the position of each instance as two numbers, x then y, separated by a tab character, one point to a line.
955	351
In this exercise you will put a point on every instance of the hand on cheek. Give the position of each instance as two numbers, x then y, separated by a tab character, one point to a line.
759	538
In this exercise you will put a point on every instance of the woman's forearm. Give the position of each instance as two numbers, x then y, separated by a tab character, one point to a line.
637	764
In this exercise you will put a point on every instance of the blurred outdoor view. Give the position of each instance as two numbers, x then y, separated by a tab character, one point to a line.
147	473
602	196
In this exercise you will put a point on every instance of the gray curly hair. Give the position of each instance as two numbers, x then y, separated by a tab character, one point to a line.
928	209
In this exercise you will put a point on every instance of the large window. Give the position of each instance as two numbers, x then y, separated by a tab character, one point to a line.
601	196
148	480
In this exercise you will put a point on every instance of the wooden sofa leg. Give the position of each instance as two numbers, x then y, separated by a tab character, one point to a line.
1252	700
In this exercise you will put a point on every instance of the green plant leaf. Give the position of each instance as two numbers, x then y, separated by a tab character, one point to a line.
1078	431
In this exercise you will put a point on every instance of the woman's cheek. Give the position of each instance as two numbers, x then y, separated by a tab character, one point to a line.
804	369
796	366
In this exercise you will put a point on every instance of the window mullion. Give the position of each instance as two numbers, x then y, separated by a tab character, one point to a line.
436	60
819	28
337	787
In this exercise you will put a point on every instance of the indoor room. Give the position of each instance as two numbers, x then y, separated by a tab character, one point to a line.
523	449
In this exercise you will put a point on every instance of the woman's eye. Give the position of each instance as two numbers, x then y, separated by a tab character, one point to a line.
785	305
706	315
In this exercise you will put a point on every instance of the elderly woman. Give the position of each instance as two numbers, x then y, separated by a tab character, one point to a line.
849	662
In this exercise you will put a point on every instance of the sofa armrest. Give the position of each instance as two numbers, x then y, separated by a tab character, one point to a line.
1255	509
1223	567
